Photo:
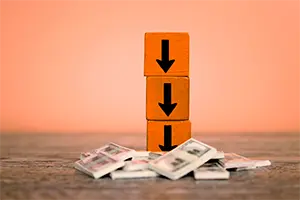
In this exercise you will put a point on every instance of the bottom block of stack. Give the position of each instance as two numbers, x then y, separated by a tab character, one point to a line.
166	135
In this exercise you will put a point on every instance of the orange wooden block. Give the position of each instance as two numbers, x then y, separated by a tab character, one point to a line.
166	135
167	98
166	54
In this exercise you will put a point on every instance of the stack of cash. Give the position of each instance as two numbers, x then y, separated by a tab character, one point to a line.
191	157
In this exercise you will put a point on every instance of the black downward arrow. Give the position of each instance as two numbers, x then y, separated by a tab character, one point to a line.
165	63
167	106
167	139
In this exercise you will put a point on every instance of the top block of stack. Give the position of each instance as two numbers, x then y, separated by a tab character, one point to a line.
166	54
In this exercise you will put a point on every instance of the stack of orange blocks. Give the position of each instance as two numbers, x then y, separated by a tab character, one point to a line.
166	67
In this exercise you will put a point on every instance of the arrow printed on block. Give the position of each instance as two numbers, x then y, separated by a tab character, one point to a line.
167	139
167	106
165	64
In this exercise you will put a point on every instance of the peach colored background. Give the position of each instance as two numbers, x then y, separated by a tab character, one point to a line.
77	66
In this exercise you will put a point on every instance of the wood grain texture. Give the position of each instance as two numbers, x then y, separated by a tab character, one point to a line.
41	167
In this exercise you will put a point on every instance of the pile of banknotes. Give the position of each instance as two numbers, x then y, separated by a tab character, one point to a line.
190	158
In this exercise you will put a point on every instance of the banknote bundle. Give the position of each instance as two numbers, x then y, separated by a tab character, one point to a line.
201	160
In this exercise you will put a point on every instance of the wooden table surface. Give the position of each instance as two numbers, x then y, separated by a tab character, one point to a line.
41	167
